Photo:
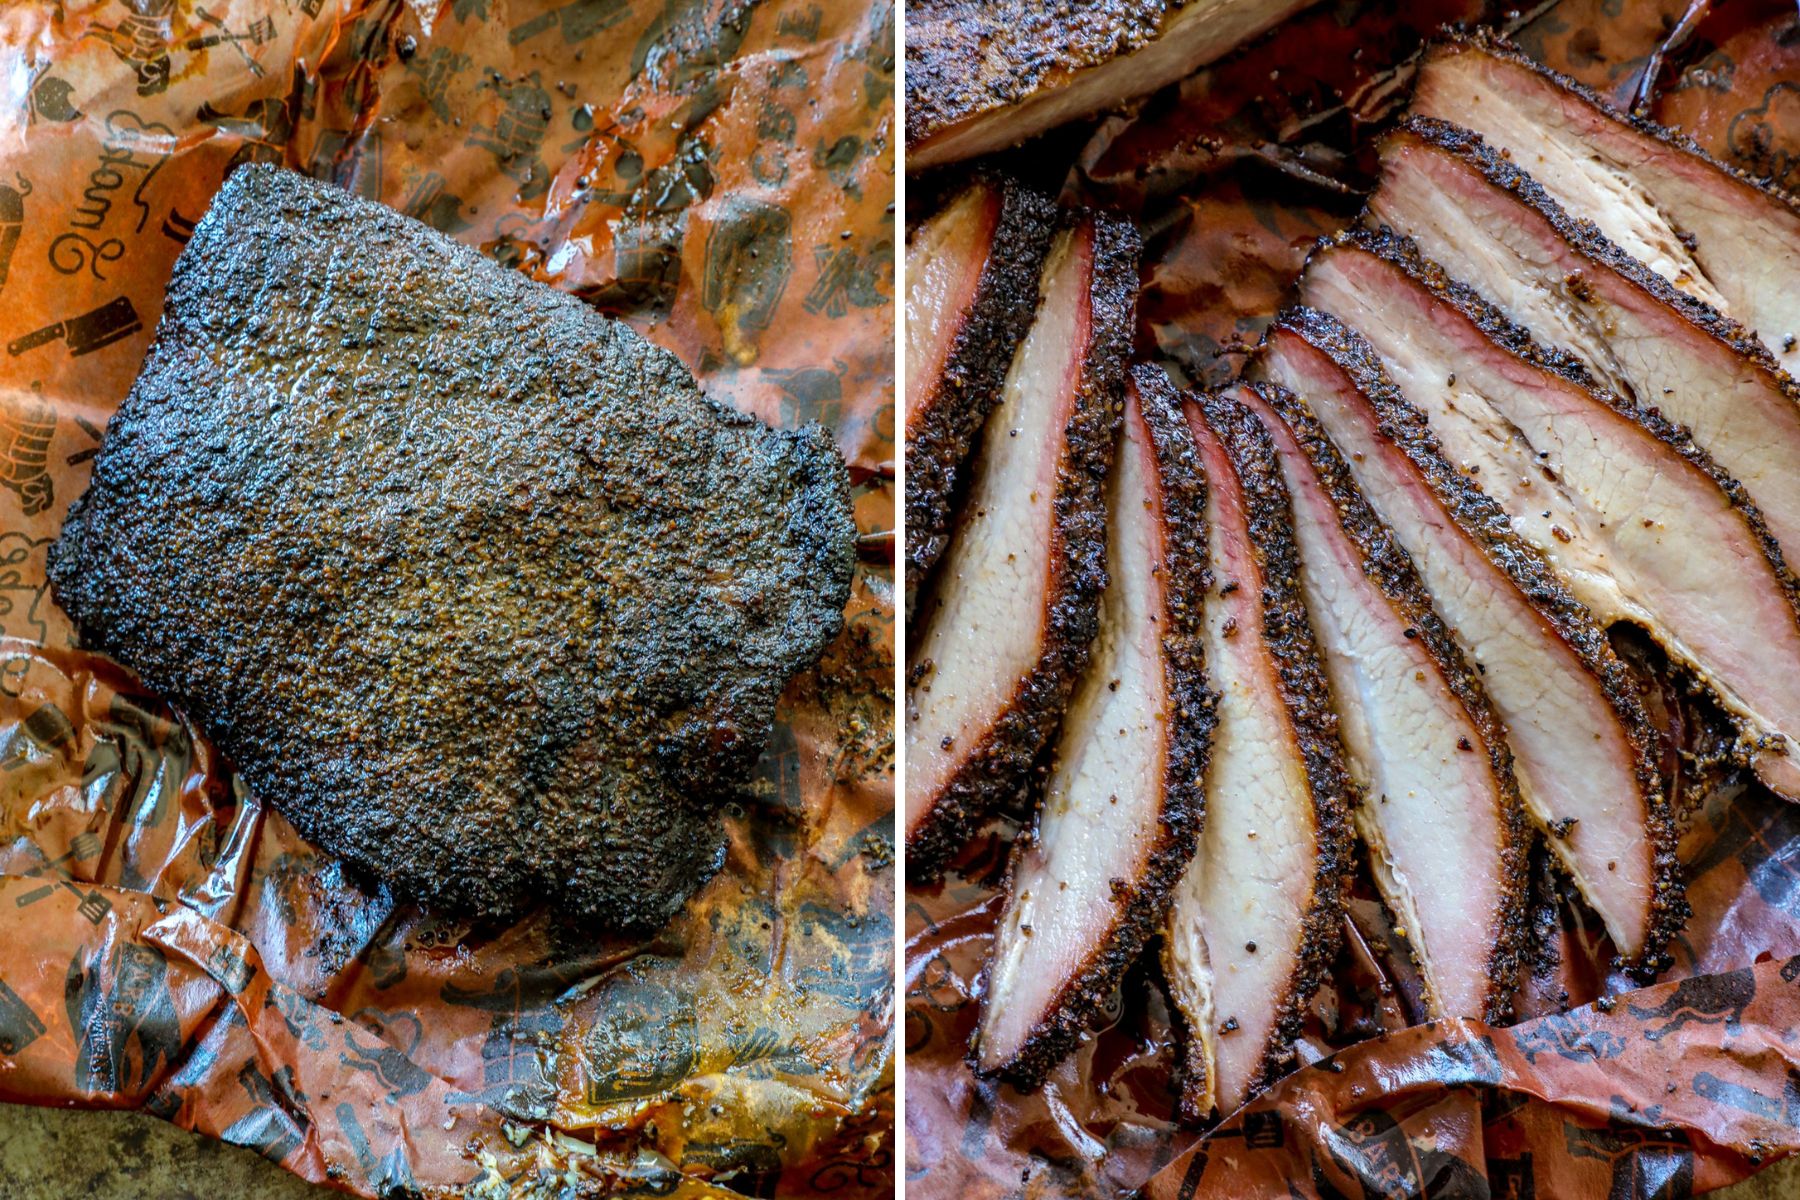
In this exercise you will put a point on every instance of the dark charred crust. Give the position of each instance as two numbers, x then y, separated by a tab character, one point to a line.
1488	41
1001	764
950	44
1404	255
974	369
1484	522
1587	240
1385	563
1307	697
1181	484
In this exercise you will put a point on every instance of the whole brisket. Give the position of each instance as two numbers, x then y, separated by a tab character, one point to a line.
472	583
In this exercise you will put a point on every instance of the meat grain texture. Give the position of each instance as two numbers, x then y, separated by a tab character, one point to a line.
473	584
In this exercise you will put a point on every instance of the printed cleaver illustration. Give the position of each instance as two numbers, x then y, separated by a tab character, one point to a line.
85	333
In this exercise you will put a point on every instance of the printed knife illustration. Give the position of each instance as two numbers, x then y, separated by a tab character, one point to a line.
86	333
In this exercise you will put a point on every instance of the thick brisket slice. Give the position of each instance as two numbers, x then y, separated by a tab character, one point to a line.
1640	522
1710	230
1583	749
982	76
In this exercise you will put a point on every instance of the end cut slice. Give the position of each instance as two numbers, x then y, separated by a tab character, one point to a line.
983	75
1583	748
1439	812
1007	622
1091	883
1256	918
971	290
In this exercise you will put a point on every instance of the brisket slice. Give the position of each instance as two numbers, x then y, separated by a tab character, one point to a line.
1707	228
971	290
1091	882
1583	749
1493	228
982	76
1639	521
470	582
1439	810
1257	917
1005	627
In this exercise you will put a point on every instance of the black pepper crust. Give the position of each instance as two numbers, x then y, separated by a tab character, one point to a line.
1488	41
1180	487
1003	763
470	582
1288	634
1484	522
1385	564
1403	254
969	57
1587	240
950	416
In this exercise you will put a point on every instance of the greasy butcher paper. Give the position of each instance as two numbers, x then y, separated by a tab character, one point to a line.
718	174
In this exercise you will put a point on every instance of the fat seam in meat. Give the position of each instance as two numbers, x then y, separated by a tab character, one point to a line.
1491	226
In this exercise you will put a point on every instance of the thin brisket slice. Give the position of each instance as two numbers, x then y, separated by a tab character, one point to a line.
1440	812
1006	624
1256	918
971	290
1091	883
